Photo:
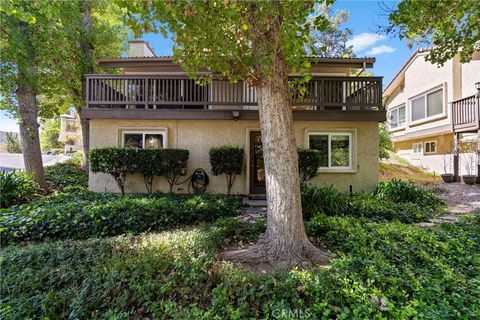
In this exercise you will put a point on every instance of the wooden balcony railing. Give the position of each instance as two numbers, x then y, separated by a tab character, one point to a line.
180	92
465	114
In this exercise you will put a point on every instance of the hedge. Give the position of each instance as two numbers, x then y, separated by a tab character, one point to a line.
227	160
118	162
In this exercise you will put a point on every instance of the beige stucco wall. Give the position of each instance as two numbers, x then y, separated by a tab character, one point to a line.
470	75
420	77
198	136
457	80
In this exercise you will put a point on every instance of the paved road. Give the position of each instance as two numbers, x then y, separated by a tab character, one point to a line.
13	161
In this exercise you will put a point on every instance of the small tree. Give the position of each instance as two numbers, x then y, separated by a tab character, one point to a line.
469	156
308	163
173	164
384	142
115	161
13	143
227	160
49	134
149	164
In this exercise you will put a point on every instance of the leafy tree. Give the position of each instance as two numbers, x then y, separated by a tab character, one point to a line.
49	134
260	42
449	25
14	144
332	42
95	30
384	142
31	46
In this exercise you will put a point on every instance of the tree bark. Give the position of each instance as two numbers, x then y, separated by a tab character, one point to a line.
32	156
285	243
87	51
85	125
28	112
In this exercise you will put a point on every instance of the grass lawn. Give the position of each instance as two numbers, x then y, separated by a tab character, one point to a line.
81	255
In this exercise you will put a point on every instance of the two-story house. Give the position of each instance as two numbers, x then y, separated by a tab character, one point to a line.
430	108
153	104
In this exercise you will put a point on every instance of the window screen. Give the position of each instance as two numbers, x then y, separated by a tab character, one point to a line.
418	108
435	103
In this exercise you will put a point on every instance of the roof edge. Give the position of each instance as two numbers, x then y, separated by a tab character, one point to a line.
165	60
405	66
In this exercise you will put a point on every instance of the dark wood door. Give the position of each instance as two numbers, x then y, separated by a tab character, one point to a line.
257	169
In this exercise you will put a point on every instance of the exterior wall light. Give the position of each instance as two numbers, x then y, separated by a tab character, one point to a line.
236	115
477	85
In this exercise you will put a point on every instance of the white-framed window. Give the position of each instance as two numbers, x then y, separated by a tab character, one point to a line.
397	116
145	139
336	149
417	148
430	147
427	105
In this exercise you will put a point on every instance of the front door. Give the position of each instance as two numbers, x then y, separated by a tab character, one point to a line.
257	168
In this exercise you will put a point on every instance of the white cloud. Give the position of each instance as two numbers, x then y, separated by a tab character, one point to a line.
380	49
363	41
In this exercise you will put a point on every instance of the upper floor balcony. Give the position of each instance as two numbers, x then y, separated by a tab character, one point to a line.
465	114
178	97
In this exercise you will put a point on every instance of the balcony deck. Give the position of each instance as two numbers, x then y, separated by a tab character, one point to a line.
465	115
178	97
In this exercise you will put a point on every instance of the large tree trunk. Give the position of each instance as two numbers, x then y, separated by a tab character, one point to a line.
32	156
87	51
284	244
85	124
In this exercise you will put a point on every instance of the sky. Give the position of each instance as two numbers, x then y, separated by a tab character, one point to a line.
365	20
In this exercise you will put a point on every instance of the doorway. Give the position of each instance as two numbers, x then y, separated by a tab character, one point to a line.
257	168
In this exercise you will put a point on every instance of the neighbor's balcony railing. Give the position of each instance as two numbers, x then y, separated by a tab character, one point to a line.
180	92
465	114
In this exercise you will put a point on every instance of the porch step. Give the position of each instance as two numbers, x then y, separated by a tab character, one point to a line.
255	203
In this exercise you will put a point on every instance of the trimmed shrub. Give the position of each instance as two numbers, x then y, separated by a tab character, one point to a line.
116	162
148	163
174	165
62	175
308	163
227	160
17	187
85	214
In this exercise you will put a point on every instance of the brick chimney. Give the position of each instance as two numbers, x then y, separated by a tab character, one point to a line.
140	48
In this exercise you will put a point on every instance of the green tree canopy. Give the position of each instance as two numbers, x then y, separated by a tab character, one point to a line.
451	26
259	42
333	41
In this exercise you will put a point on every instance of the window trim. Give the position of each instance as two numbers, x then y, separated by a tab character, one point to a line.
413	148
163	132
425	147
397	109
350	135
425	95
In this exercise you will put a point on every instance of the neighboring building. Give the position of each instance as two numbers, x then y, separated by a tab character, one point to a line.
420	101
70	132
153	104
